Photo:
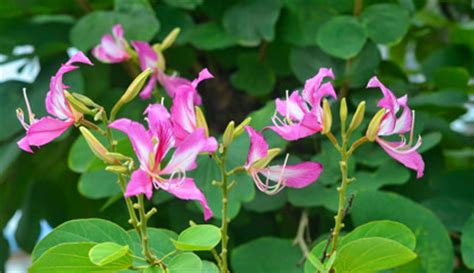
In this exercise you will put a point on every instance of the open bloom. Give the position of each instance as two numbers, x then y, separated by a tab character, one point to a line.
393	125
302	115
112	48
277	176
152	145
172	84
44	130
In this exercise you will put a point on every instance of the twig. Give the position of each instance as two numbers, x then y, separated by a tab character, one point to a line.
326	246
300	235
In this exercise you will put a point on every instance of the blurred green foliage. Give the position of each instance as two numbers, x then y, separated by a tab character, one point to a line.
257	49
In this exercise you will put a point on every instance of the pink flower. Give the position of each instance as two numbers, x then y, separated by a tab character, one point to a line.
152	145
294	176
112	48
172	84
401	151
44	130
302	116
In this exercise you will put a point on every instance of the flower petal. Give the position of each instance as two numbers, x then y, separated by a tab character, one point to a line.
43	131
184	157
312	85
148	89
308	126
140	183
293	107
139	137
258	146
389	102
409	158
183	115
294	176
160	125
187	190
148	58
203	75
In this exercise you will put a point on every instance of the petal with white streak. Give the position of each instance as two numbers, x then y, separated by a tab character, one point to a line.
43	131
294	176
161	127
409	157
258	146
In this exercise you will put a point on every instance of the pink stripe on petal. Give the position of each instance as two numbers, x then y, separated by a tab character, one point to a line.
294	176
409	158
140	183
258	146
183	113
187	190
161	127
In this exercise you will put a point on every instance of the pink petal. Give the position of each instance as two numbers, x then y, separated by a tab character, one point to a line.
148	89
294	107
410	158
148	58
203	75
258	146
389	101
160	125
187	190
312	85
172	83
184	157
294	176
43	131
297	130
183	115
140	183
79	57
112	49
117	31
139	137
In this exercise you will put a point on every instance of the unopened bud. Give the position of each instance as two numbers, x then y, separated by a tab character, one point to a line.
96	147
327	117
374	125
118	156
118	169
343	111
85	100
77	105
263	162
170	39
132	90
201	120
358	117
240	129
161	63
229	134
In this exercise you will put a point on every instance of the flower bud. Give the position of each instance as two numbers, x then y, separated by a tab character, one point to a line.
132	90
161	63
241	127
201	120
170	39
118	156
118	169
264	161
374	125
77	105
358	116
327	117
96	147
85	100
228	134
343	111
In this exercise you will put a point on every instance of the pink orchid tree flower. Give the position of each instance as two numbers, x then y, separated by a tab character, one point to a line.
44	130
172	84
112	48
401	151
302	115
294	176
152	145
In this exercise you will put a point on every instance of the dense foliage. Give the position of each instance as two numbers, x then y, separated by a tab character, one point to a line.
256	50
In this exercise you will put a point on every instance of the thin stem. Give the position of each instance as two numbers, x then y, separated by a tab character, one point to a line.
300	235
216	257
151	258
356	144
333	140
225	219
342	203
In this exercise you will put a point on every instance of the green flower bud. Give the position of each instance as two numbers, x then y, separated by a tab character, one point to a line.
132	91
263	162
240	129
374	125
327	117
358	117
201	120
170	39
77	105
96	147
228	134
343	110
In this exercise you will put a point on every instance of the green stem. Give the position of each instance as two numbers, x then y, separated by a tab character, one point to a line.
151	258
225	219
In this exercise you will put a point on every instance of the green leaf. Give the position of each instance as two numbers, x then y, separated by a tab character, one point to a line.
266	203
451	77
171	18
385	23
305	62
273	255
210	36
208	267
160	241
371	255
342	37
4	252
467	243
185	263
439	99
74	258
106	253
82	230
254	77
98	184
184	4
364	65
198	238
433	245
252	21
430	140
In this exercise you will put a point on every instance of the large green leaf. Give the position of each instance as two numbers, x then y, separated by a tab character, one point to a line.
208	267
252	21
171	18
74	258
198	237
82	230
210	36
253	76
342	37
98	184
467	243
434	248
184	4
385	23
269	255
371	255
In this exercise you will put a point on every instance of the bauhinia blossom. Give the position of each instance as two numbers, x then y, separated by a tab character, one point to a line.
112	48
393	125
277	176
302	115
152	145
44	130
172	84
